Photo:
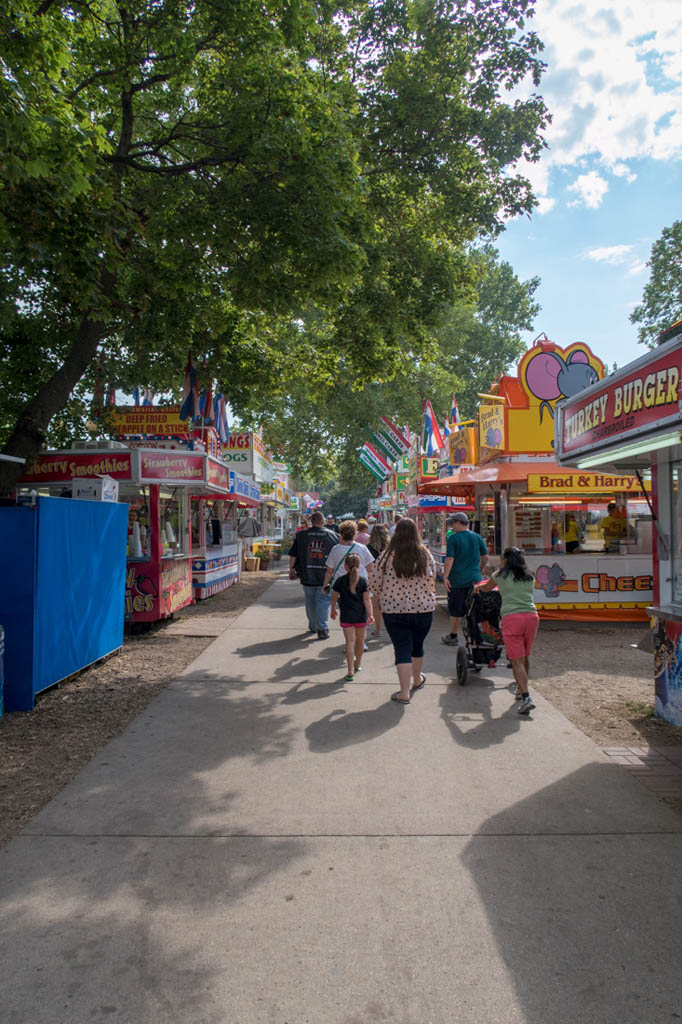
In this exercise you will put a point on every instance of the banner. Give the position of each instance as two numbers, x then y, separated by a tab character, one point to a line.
395	435
146	420
374	461
387	445
368	464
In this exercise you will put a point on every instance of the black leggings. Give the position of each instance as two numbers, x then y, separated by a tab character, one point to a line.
408	631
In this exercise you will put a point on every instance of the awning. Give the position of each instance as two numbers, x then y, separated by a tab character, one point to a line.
493	473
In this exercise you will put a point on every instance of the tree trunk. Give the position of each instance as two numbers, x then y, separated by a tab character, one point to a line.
30	431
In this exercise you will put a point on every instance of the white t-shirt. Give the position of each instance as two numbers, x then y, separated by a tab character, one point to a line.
338	554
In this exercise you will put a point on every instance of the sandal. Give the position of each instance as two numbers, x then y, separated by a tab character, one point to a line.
420	685
358	668
398	699
348	678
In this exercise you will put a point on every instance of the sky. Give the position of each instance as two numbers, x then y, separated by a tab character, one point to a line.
611	178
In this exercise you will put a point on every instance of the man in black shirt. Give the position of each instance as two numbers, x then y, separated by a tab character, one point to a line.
332	525
307	560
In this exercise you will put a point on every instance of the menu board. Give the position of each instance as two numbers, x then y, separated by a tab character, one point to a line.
529	528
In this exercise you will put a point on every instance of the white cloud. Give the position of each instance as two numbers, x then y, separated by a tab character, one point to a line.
637	268
610	254
590	188
623	171
545	204
613	86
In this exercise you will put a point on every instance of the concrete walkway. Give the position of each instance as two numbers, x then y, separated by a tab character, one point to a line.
268	844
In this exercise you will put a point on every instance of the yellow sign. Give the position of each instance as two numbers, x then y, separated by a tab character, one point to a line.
547	374
574	482
429	467
491	433
147	419
463	448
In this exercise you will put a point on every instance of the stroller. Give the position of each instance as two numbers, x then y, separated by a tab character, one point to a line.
482	634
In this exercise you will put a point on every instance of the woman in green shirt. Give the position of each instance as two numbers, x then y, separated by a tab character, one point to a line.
519	617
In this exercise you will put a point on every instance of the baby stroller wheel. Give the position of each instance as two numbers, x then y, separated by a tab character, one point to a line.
461	666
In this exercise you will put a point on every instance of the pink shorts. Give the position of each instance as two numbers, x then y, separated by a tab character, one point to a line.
353	625
519	631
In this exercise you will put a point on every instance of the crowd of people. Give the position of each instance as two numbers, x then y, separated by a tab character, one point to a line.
366	573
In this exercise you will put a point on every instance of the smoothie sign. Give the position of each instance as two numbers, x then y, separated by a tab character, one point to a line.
629	404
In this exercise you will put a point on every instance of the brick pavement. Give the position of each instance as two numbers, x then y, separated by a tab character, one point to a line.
657	768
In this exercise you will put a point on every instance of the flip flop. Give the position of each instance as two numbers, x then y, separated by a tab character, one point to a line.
348	678
398	699
420	685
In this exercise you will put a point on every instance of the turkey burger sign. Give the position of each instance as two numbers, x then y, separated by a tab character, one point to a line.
628	406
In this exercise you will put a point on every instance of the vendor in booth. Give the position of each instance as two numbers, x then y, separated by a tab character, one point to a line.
613	526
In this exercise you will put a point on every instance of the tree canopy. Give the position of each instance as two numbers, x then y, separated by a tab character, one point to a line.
661	303
319	418
196	173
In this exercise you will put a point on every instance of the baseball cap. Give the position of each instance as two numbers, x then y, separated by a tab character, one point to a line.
371	519
458	517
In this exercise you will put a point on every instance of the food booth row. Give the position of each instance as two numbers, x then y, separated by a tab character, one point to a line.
587	535
630	424
183	517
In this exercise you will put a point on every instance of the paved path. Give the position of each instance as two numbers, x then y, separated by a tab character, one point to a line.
266	845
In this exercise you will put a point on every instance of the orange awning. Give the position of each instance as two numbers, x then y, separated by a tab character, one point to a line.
493	473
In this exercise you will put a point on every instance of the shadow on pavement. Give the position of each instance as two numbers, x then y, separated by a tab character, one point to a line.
460	706
341	729
586	923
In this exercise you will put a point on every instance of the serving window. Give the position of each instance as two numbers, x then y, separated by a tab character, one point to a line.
174	525
616	525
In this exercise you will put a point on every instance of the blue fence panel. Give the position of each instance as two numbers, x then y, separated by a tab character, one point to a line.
80	598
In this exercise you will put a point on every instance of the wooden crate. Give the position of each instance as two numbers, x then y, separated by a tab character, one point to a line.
252	564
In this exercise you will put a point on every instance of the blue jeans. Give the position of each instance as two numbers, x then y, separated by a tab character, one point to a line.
317	607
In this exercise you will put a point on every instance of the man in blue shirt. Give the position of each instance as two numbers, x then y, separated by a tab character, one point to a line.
466	554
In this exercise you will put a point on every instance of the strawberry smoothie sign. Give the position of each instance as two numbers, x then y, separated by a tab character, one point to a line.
57	467
640	399
161	466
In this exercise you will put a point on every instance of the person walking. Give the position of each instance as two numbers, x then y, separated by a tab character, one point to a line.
378	541
307	561
305	524
332	525
362	536
337	556
519	618
465	557
404	580
352	594
396	519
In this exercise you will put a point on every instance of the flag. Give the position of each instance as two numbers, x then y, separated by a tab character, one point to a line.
136	396
147	397
190	396
220	418
446	430
206	405
454	414
431	437
377	465
396	436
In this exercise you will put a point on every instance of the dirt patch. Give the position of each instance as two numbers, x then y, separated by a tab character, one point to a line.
42	750
596	677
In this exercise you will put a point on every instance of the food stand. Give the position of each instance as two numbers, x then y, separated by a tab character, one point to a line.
156	483
587	536
631	423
